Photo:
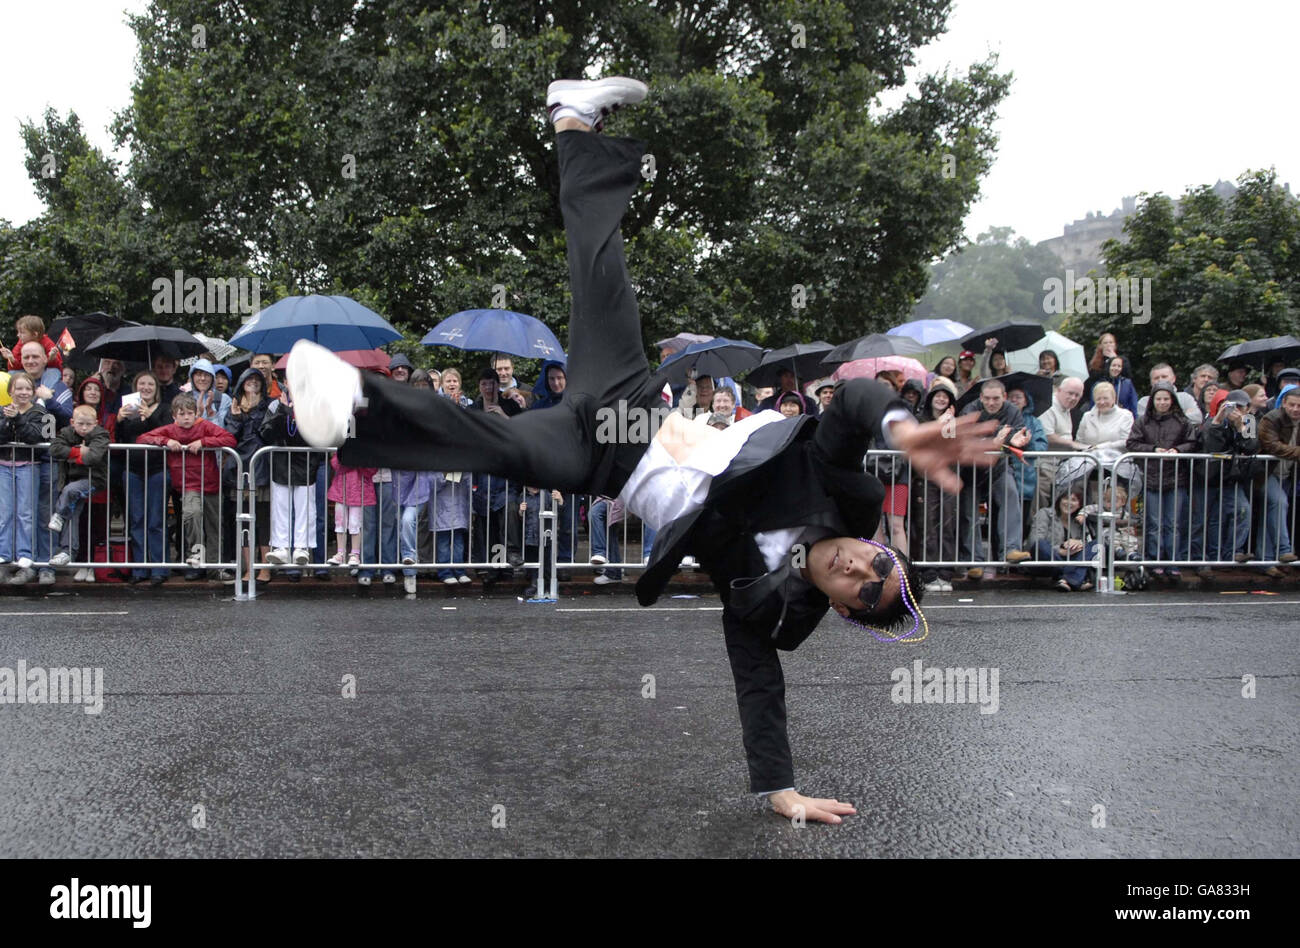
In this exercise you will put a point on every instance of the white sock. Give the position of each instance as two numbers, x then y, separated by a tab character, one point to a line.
568	111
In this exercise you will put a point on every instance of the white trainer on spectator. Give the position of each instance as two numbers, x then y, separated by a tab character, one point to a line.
598	560
408	583
590	100
452	581
79	575
24	562
603	580
196	556
56	522
464	579
278	557
301	557
324	390
61	558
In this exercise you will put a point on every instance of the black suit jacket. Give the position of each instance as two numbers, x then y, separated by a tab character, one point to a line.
796	473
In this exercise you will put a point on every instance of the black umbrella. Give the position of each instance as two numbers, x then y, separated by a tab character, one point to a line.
873	346
1275	349
142	343
1011	334
83	330
1037	387
804	359
717	357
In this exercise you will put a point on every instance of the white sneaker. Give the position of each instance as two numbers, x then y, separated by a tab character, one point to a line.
390	577
934	586
324	387
195	559
464	579
603	580
61	558
363	580
451	581
408	583
688	562
24	562
301	557
80	576
56	523
589	101
947	586
408	561
89	577
598	560
278	557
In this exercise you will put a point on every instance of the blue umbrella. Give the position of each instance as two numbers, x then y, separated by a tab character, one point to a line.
335	322
496	330
931	332
716	357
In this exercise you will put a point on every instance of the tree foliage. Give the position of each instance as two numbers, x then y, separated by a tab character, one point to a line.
999	276
398	152
1221	271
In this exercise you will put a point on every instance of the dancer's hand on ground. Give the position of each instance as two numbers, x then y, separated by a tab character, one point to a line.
933	447
787	803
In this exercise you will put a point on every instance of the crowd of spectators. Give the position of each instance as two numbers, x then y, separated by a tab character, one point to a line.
108	469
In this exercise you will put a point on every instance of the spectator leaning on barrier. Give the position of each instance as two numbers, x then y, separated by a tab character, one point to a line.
195	471
1278	431
1058	427
1164	429
934	512
293	485
994	485
23	422
244	420
1026	472
1227	507
146	478
83	448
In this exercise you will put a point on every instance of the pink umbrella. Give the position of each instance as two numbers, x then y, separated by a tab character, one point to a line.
867	368
375	359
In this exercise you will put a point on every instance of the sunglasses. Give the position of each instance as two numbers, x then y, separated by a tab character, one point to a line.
870	593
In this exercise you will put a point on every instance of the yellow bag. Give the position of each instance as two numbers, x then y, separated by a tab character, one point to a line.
4	389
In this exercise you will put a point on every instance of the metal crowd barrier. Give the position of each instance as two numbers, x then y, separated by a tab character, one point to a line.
494	540
155	502
1207	510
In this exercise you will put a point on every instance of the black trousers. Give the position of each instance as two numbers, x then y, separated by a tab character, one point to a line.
416	429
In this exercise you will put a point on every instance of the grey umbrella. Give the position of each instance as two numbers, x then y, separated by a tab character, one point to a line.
873	346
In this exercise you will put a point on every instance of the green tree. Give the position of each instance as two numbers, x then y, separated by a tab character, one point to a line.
998	276
1221	271
398	152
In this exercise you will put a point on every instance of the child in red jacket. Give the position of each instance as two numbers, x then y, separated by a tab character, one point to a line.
31	329
194	473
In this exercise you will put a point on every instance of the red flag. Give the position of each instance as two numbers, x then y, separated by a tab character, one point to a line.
66	342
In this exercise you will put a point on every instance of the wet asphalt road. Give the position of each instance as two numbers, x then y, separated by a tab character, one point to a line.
534	716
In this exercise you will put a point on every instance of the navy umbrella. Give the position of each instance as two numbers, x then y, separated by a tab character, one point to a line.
1264	351
804	359
873	346
142	343
717	357
496	330
335	322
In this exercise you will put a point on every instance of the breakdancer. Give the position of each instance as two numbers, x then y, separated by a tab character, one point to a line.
775	509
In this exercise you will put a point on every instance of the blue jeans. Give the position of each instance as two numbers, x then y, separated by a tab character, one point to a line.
613	550
1277	511
451	549
410	537
1227	522
148	539
1164	518
1074	575
44	503
380	526
17	511
71	499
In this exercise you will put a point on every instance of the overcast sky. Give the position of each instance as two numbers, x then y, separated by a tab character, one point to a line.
1111	97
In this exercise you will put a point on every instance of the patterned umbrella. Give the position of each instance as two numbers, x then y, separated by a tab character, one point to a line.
867	368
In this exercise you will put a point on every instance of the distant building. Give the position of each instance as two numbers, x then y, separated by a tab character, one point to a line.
1079	248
